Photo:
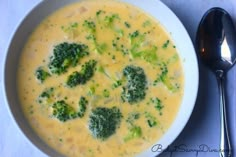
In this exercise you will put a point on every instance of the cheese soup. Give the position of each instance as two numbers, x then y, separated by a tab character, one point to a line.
100	79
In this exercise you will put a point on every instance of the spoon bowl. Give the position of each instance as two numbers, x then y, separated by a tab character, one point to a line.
216	39
215	43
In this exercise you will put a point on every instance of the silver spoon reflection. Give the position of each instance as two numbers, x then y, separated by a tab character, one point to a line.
216	45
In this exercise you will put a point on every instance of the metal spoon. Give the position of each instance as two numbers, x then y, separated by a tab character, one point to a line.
216	45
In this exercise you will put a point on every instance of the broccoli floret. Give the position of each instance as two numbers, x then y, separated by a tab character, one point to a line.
151	120
47	93
136	87
149	55
71	29
99	12
134	35
109	20
83	76
136	39
165	45
82	106
45	96
138	51
134	132
173	59
106	93
115	45
163	77
132	117
41	74
88	69
74	79
62	111
102	70
158	104
103	122
99	48
146	23
90	26
91	90
66	55
127	24
116	84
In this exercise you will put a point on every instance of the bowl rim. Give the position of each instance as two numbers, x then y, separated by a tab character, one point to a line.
23	134
137	3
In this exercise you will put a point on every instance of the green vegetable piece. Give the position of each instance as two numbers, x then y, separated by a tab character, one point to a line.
173	59
103	122
66	55
106	93
127	24
83	76
109	20
117	84
102	70
114	45
82	106
151	120
88	69
163	77
165	45
164	71
136	87
138	51
90	26
74	79
151	123
136	39
146	23
158	104
99	12
62	111
91	90
120	32
150	55
132	117
134	132
41	74
70	26
71	29
45	96
99	48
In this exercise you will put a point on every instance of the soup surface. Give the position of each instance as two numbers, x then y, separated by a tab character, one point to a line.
100	79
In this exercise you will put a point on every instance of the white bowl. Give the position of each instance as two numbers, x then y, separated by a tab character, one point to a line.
153	7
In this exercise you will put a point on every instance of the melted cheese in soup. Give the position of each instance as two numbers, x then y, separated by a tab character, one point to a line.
117	35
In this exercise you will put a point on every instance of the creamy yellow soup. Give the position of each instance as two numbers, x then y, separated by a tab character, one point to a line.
117	35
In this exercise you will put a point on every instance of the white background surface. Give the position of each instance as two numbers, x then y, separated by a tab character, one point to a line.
203	127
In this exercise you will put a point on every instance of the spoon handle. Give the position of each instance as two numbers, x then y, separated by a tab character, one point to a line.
225	147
